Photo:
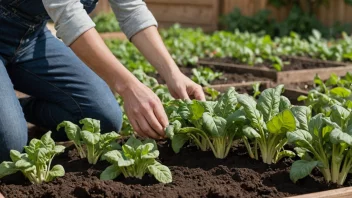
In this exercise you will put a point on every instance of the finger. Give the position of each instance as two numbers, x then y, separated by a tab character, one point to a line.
199	94
160	114
146	129
137	129
154	123
183	94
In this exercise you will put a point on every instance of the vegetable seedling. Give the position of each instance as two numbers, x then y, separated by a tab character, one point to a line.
136	159
35	163
90	136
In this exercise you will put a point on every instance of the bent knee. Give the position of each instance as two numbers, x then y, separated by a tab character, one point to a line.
110	118
13	136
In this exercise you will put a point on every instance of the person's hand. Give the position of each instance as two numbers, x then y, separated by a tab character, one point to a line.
181	87
145	111
1	196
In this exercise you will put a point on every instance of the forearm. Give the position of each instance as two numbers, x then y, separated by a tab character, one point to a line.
91	49
150	44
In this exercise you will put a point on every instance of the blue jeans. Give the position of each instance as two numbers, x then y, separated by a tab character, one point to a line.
61	86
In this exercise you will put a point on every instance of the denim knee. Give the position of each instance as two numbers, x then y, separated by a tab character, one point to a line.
13	135
109	114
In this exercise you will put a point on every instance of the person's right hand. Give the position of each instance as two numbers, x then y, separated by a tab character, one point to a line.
145	111
1	196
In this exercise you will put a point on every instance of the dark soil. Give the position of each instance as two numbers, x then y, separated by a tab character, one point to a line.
226	78
292	63
195	174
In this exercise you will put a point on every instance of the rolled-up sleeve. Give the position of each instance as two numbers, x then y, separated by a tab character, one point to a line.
133	16
70	18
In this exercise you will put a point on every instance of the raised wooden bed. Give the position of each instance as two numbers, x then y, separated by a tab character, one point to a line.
336	193
286	77
113	35
240	86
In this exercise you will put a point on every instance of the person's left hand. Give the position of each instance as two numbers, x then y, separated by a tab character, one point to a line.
181	87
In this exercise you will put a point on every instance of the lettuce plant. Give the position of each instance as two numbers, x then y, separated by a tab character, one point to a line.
135	160
335	90
208	124
90	136
267	122
325	143
204	75
35	163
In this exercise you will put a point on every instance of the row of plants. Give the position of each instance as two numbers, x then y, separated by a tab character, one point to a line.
188	45
265	123
135	158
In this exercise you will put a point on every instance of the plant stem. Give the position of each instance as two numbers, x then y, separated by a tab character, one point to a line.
248	146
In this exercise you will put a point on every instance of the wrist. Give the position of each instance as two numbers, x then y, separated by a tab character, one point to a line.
169	72
123	86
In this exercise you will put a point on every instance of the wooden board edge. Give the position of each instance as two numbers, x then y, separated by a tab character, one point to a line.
224	87
319	60
336	193
306	75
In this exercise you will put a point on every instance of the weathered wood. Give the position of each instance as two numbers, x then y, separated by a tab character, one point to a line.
286	77
333	11
336	193
189	13
224	87
113	35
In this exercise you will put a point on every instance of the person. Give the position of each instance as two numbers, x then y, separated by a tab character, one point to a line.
55	74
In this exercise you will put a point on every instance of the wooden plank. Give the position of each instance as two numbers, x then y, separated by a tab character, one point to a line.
183	14
224	87
336	193
113	35
286	77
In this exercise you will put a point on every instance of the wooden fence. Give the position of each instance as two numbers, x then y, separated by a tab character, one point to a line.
205	13
336	10
189	13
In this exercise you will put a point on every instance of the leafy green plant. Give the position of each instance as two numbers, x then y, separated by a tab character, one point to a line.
135	160
335	90
212	94
106	22
35	163
325	143
204	75
208	124
266	124
90	136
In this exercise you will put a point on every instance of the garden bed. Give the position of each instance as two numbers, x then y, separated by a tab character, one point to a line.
299	70
195	174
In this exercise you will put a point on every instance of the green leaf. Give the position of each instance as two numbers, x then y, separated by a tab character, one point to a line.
90	138
23	164
341	92
59	149
226	103
128	151
72	131
90	125
161	173
56	171
285	153
125	162
301	169
282	122
47	140
250	133
316	124
110	173
196	110
178	142
339	114
249	107
269	102
337	137
133	142
15	155
7	168
284	103
302	115
112	156
301	137
151	155
215	126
